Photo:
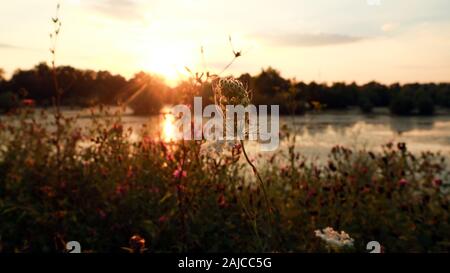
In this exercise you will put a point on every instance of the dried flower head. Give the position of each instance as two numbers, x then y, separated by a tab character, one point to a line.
230	91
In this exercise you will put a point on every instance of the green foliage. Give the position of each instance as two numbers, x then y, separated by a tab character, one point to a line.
105	189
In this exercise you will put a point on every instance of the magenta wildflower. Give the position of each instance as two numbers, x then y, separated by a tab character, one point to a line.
101	213
221	201
437	182
179	173
169	157
163	219
403	182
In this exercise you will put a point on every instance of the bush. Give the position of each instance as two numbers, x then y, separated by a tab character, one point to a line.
365	105
425	105
402	104
148	98
146	103
8	101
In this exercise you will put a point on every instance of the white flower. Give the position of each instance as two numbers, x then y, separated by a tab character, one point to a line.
334	238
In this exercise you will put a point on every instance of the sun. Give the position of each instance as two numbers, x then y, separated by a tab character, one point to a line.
167	61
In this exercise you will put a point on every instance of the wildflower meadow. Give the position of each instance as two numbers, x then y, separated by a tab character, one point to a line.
114	194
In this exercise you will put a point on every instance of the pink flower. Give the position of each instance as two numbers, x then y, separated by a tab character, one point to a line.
153	190
352	179
311	193
403	182
163	219
222	201
284	170
437	182
181	188
364	170
121	189
169	157
117	128
101	213
146	139
130	172
146	142
76	135
401	146
163	145
178	173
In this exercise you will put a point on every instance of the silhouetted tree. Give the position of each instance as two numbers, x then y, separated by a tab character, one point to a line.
88	87
268	85
148	94
424	101
2	81
402	103
365	104
8	101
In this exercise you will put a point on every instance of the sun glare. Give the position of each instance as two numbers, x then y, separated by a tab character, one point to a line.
168	62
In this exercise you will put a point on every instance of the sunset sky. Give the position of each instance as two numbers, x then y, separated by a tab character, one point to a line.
320	40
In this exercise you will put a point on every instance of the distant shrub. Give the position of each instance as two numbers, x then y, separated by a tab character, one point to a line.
147	103
425	105
365	105
402	104
148	98
443	97
8	101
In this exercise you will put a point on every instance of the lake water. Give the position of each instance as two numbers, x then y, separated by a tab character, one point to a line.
318	133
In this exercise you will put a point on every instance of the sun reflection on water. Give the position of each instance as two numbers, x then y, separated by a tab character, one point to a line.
168	127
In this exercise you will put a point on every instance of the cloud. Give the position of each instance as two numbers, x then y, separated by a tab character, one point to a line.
10	46
121	9
309	40
388	27
423	67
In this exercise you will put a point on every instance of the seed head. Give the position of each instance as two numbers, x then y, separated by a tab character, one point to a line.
230	91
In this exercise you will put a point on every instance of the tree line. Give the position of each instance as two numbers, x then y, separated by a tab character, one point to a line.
147	93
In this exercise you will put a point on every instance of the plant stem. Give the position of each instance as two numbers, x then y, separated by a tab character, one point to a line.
255	171
180	197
